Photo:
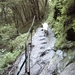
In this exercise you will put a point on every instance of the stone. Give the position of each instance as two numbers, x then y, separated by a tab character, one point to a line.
69	70
35	69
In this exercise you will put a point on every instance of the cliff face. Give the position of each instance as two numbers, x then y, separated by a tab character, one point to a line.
62	20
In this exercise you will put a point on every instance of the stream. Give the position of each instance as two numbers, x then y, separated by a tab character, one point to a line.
44	60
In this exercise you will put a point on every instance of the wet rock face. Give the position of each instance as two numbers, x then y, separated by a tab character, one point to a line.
42	53
69	70
70	35
43	59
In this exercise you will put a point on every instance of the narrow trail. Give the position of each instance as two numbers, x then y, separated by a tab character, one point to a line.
42	55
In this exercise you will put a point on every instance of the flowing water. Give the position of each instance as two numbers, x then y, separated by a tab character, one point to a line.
43	59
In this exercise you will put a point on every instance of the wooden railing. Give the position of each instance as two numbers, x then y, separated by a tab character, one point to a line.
27	52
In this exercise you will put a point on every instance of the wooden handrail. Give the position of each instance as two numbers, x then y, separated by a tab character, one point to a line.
29	32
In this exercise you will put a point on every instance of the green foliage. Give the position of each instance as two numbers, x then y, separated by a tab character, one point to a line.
62	41
51	12
64	20
18	43
8	59
59	28
7	32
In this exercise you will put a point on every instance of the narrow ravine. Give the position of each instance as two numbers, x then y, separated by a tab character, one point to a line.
49	55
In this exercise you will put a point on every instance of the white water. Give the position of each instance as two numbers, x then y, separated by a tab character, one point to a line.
43	58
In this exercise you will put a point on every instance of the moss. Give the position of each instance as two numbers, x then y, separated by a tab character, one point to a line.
51	12
8	59
64	12
11	48
61	43
18	43
6	33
